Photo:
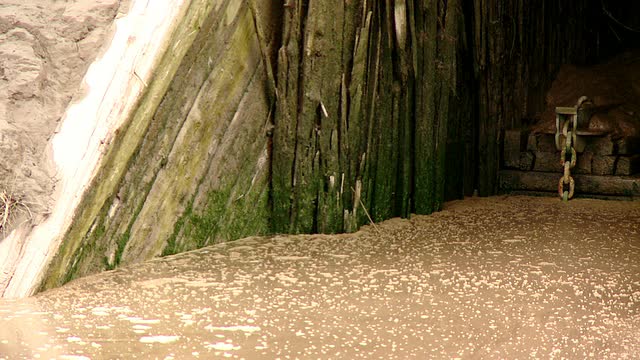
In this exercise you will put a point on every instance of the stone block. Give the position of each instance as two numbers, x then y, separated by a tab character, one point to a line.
583	164
599	145
628	165
546	143
526	161
581	144
547	161
628	146
513	145
532	142
603	165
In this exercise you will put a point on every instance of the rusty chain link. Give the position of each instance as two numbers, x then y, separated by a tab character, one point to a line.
568	128
566	178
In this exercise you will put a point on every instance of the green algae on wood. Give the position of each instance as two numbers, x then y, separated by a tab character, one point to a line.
120	201
376	108
198	139
123	147
395	82
358	131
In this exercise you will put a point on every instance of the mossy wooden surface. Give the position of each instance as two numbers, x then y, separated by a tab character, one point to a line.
195	148
376	109
361	122
81	240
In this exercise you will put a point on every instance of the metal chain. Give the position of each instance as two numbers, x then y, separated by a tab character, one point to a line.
569	131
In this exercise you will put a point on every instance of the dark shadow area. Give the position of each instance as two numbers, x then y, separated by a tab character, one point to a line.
607	147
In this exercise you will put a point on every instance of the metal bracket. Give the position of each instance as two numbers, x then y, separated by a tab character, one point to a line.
578	115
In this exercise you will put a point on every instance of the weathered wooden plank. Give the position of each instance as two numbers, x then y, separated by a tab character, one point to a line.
356	128
427	30
76	256
199	137
227	207
447	48
286	117
368	159
385	131
405	150
152	155
354	22
404	16
511	180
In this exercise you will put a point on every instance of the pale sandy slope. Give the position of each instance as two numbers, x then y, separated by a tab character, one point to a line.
45	50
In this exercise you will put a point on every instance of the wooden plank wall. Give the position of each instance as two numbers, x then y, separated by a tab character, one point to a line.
367	94
394	106
312	116
190	168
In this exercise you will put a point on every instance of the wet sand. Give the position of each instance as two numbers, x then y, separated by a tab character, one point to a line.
507	277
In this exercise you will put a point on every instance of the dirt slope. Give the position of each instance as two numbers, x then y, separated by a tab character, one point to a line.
46	47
